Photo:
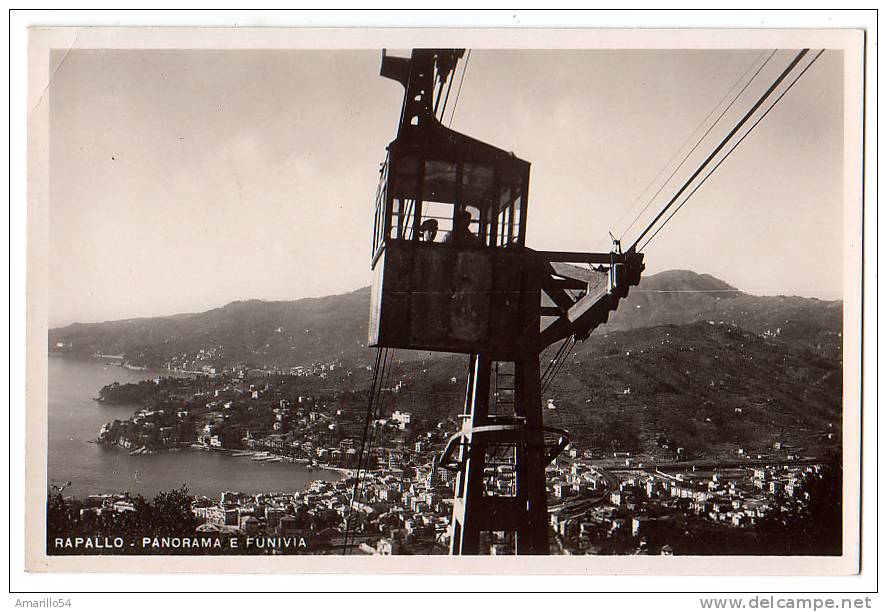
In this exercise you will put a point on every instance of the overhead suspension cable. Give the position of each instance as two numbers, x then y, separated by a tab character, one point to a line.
356	484
380	401
723	143
698	142
370	403
553	363
359	494
443	109
569	345
459	91
733	148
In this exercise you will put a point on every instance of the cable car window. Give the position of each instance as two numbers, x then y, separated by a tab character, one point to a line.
377	232
402	215
381	197
508	218
517	210
505	198
504	217
408	165
466	228
440	215
477	182
440	181
406	178
507	224
474	225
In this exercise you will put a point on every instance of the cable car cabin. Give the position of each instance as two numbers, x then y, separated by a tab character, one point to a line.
449	269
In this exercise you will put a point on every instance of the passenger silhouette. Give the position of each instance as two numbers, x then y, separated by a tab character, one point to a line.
462	235
428	230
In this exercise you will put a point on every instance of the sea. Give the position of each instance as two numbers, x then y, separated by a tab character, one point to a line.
74	422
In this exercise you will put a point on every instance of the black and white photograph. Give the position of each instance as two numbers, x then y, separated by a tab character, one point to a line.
461	297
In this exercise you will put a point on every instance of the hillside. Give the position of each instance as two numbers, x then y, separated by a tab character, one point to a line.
252	332
702	387
302	332
698	385
679	297
687	361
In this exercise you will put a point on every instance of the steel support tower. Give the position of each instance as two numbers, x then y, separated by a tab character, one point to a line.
488	296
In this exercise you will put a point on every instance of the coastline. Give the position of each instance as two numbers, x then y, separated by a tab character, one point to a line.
268	456
106	362
74	455
254	455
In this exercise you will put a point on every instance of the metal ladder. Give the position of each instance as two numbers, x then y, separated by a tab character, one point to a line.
504	389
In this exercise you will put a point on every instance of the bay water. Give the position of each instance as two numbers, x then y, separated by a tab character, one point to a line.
74	422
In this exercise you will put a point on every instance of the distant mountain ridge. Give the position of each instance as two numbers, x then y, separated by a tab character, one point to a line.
334	328
687	358
686	280
680	297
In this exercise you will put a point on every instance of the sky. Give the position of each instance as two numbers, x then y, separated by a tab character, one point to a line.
181	180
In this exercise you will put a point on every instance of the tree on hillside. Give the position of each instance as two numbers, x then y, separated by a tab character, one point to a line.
168	514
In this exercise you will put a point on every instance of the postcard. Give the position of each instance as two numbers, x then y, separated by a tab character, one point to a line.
444	301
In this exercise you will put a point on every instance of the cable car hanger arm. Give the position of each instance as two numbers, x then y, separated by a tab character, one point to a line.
600	289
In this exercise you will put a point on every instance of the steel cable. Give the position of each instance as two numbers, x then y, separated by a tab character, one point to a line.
733	148
723	143
698	142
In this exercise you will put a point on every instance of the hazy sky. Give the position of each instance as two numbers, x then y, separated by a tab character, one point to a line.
182	180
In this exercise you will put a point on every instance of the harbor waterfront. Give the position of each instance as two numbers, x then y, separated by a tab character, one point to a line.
74	419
